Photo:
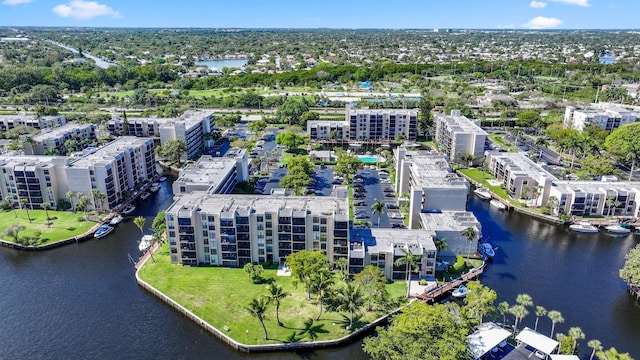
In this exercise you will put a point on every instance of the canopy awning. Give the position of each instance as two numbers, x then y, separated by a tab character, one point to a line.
487	337
537	340
564	357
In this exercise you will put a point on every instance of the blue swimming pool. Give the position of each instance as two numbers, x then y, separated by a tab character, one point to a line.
370	159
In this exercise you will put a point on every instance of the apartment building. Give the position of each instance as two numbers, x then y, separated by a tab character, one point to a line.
429	182
8	122
382	247
449	225
609	117
38	179
233	230
456	135
53	141
377	125
522	178
143	127
590	198
215	175
191	127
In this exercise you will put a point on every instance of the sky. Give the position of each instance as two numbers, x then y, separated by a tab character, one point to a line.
378	14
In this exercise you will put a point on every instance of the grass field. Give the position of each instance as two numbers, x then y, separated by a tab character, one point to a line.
219	296
65	225
497	138
480	176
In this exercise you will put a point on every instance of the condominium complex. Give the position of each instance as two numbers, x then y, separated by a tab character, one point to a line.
233	230
114	170
377	125
145	127
449	225
8	122
457	136
50	142
597	198
215	175
608	117
522	178
429	182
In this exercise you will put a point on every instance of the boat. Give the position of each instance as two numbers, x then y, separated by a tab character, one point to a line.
497	204
486	250
460	292
103	231
145	242
154	187
116	220
482	193
162	178
128	209
145	195
617	229
584	227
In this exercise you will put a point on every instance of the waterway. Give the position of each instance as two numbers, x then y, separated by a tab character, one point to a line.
81	301
219	64
101	63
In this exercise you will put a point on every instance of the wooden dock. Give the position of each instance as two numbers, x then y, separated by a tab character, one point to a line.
433	295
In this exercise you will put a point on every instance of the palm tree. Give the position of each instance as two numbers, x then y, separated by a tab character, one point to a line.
596	346
321	285
576	333
46	206
556	318
94	195
540	143
441	244
139	222
540	311
276	294
70	196
519	312
612	201
378	208
100	196
258	308
524	300
411	261
23	204
468	158
503	309
83	204
350	299
470	233
343	265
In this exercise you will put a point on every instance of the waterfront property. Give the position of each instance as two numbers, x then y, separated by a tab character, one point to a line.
54	140
428	180
62	224
215	175
8	122
449	225
597	198
456	135
608	117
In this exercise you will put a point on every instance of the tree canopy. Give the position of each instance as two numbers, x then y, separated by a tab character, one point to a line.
630	272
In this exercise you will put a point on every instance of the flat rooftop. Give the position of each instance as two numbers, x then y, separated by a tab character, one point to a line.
518	163
323	123
189	118
433	171
207	170
460	124
449	221
30	160
597	186
109	151
59	132
389	240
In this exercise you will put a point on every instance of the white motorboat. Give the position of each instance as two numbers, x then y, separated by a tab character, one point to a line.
128	209
145	242
460	292
116	220
584	227
145	195
617	229
162	178
497	204
482	193
154	187
103	231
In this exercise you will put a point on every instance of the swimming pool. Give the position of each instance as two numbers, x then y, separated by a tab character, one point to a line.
370	159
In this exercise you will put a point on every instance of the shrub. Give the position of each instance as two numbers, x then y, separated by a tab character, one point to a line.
423	282
459	265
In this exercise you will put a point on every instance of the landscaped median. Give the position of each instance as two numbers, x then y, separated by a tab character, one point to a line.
220	297
62	225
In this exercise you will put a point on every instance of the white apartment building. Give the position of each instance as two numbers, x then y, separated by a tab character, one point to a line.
456	135
40	180
191	128
522	178
323	130
143	127
429	182
609	117
8	122
589	198
233	230
382	247
215	175
54	139
449	225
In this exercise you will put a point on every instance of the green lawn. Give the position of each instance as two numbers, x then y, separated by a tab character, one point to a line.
498	139
219	296
480	176
66	224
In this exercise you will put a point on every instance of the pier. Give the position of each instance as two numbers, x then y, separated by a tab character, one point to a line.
435	294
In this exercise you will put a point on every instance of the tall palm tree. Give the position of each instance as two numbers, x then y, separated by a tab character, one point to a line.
503	309
612	201
94	195
139	222
556	318
519	312
23	204
343	265
576	333
470	233
276	293
441	245
350	299
378	208
540	311
258	308
524	300
70	196
321	286
411	261
46	206
596	346
540	144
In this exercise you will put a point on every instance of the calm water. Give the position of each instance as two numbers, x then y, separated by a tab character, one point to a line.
82	302
219	64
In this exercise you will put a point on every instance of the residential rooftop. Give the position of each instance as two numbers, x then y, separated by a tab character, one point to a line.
520	164
207	170
460	123
58	132
433	171
109	151
448	220
381	240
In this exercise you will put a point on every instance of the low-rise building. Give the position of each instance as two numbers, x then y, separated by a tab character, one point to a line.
53	141
449	225
457	136
40	180
215	175
233	230
596	198
8	122
608	117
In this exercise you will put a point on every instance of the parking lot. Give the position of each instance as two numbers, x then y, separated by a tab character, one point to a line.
374	183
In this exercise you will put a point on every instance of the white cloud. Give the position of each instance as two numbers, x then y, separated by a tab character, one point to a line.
541	22
538	4
574	2
84	10
16	2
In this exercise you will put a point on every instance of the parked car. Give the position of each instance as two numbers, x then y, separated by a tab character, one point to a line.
388	194
360	203
392	206
397	226
387	190
361	215
359	197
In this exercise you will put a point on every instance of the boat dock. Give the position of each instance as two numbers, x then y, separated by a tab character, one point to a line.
435	294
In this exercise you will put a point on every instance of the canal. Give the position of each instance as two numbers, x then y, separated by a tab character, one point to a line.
81	301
